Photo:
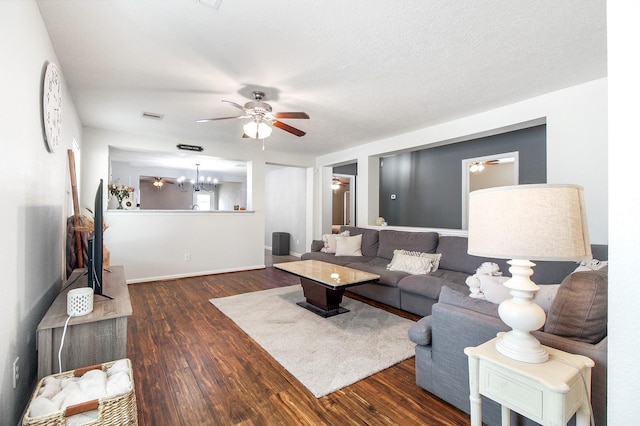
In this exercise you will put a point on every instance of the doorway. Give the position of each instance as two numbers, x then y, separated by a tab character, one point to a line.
343	201
487	172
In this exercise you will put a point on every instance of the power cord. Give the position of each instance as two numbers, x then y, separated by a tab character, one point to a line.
73	281
64	331
584	382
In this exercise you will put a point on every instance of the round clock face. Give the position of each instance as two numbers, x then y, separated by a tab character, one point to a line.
52	106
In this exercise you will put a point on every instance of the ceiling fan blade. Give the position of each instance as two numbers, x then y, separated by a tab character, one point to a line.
287	128
234	104
204	120
244	135
291	115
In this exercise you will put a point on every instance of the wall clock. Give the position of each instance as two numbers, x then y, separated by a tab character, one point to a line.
51	106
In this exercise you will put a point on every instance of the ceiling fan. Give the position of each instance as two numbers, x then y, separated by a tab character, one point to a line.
262	118
158	182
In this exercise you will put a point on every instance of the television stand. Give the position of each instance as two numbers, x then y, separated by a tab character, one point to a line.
95	338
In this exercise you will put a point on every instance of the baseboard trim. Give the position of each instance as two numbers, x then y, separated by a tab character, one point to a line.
194	274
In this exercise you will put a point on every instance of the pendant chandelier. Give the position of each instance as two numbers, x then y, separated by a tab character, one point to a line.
200	183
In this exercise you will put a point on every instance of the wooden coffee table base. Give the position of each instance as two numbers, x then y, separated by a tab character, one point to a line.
324	283
321	300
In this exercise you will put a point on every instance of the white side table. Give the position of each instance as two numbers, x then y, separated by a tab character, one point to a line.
548	393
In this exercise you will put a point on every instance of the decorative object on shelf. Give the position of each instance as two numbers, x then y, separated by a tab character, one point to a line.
523	222
200	183
52	106
128	203
121	192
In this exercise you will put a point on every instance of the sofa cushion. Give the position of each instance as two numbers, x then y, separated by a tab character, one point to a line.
390	240
331	258
428	285
579	310
420	332
369	246
317	245
456	298
387	278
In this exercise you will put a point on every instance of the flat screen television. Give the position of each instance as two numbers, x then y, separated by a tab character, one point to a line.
95	246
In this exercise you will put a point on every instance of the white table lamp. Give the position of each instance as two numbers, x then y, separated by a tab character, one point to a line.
523	223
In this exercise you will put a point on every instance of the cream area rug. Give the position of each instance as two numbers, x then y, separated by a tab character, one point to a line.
324	354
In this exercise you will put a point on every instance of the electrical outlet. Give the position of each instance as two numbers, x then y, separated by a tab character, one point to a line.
16	372
187	257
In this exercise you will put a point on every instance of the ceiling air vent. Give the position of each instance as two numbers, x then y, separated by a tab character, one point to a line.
152	115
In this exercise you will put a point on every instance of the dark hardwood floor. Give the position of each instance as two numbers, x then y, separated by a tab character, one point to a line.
194	366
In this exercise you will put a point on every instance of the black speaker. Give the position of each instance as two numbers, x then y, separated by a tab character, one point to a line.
280	244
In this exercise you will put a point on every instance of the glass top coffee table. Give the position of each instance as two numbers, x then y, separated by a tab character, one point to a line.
324	284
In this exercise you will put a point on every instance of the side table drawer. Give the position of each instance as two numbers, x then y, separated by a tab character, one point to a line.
521	394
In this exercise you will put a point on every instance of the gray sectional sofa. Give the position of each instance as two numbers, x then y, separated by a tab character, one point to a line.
418	293
576	321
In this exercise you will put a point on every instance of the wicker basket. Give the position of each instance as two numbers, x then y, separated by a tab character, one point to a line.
115	411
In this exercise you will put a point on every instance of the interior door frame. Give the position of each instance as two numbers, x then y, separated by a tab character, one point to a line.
466	163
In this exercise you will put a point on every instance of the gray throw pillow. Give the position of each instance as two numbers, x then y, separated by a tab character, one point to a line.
579	310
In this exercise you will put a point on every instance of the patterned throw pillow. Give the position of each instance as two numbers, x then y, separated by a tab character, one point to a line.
330	241
410	262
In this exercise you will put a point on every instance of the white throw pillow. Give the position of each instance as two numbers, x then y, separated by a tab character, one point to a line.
330	241
544	297
493	289
495	292
349	246
410	262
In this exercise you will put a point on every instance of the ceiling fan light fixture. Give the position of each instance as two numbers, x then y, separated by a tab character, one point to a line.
257	129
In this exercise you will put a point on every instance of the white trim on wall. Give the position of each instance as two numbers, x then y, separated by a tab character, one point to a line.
576	119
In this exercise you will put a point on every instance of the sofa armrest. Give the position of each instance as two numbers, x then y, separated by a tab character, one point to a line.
317	245
420	332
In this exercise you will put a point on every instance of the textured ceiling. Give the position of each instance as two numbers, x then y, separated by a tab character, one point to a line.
363	70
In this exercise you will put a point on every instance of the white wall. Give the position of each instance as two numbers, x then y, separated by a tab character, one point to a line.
624	204
286	209
576	147
35	198
221	242
154	245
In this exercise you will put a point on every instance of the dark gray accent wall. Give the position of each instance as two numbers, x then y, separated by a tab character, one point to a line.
427	184
347	169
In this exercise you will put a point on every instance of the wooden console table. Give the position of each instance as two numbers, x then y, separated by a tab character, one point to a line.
98	337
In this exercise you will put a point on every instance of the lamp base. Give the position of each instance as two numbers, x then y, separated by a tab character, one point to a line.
522	315
521	347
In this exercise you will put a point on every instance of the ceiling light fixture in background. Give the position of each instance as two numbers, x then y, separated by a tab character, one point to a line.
200	183
476	167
